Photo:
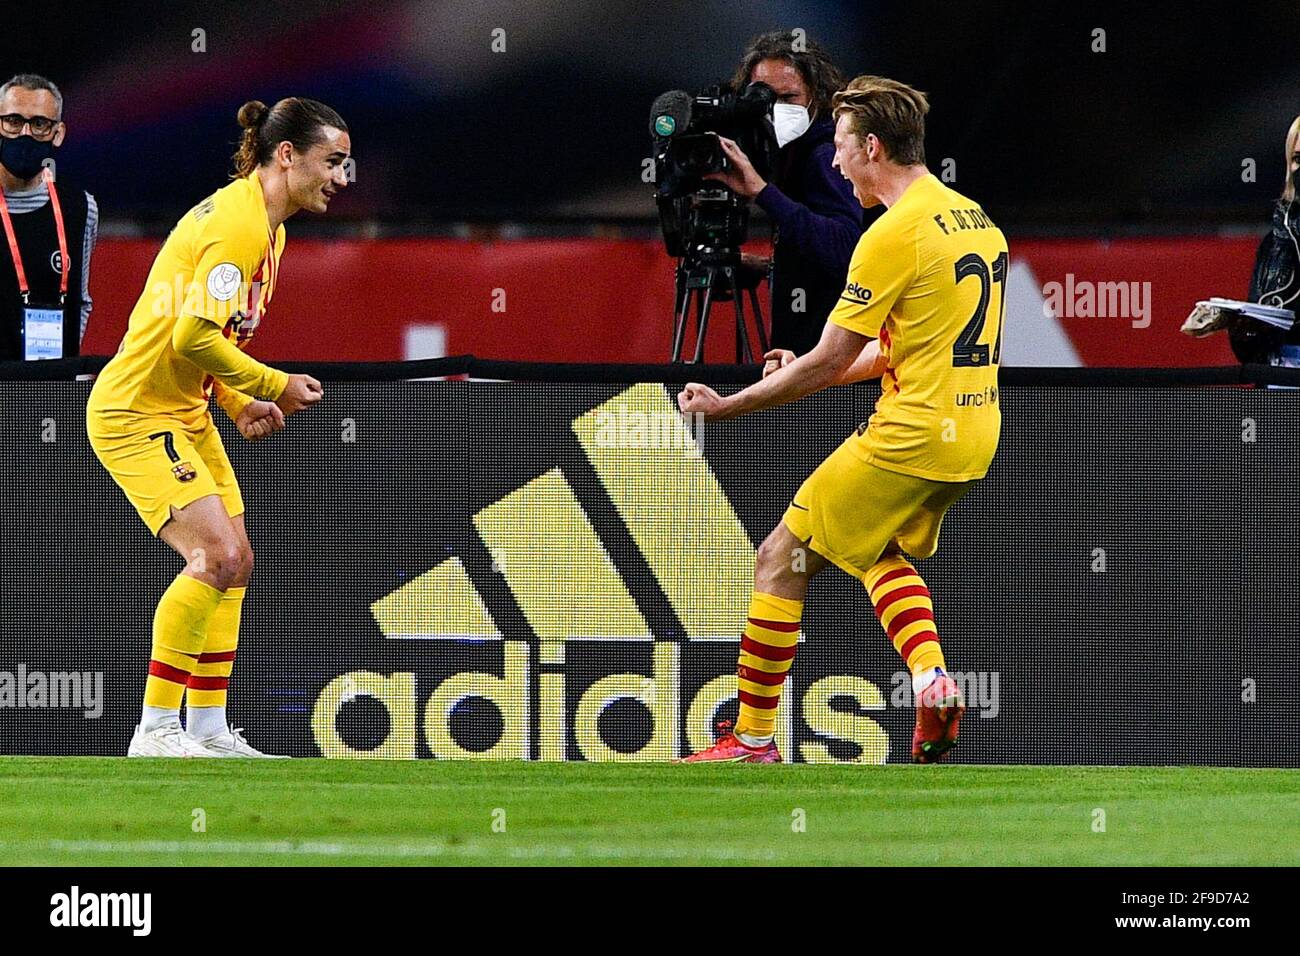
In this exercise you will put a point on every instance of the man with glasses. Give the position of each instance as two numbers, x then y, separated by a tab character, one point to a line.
49	229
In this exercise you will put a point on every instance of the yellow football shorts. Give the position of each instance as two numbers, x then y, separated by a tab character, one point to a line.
161	464
852	512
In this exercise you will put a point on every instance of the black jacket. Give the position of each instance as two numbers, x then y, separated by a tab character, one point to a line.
1276	280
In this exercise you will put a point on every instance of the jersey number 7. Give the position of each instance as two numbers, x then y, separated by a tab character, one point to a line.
965	352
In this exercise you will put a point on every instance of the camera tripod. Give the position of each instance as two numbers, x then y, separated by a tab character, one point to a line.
699	280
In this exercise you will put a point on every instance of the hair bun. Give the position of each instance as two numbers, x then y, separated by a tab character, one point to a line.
253	114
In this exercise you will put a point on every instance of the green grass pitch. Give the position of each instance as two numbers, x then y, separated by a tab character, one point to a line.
95	811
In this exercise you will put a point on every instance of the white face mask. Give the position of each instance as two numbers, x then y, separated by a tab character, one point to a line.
790	122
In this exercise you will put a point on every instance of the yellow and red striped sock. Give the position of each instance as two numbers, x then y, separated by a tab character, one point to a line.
903	605
210	678
180	629
766	651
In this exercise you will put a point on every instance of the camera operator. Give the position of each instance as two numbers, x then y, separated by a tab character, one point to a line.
1276	279
49	229
816	219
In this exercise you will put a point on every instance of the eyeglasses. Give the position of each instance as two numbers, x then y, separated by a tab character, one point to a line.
42	127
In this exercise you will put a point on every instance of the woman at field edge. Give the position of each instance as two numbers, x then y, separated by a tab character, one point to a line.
1276	277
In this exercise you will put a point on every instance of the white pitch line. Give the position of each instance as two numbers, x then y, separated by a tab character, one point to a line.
401	850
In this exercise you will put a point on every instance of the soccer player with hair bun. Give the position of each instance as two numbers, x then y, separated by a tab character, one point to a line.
149	419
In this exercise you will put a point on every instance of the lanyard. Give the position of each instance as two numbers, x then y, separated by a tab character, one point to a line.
23	287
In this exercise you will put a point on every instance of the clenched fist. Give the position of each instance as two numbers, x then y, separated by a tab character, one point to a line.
698	399
257	420
303	391
775	359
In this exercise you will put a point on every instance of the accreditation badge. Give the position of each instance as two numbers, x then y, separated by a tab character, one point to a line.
42	333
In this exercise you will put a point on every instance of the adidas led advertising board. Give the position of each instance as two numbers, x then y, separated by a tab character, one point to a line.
547	571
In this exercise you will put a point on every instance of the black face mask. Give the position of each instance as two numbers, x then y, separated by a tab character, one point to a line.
24	155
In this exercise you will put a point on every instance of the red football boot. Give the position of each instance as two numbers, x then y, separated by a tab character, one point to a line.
938	712
729	749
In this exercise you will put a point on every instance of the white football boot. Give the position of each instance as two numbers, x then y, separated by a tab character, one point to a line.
232	744
169	740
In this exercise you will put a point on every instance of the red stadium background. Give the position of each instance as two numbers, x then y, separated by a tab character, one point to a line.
575	300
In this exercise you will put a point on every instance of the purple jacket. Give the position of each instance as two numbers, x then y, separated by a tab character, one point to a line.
818	224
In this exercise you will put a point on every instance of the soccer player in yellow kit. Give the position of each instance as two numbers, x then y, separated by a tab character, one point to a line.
922	308
149	421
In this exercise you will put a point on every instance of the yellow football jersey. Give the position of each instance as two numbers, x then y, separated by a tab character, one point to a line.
220	263
929	280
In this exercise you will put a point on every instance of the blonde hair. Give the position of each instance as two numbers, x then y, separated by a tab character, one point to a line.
1292	145
893	111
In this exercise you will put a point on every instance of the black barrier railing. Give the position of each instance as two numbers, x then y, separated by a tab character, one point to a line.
617	373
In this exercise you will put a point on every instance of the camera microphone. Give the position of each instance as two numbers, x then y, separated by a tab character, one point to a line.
670	113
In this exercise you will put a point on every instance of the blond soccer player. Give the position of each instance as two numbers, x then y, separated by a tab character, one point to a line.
922	310
149	419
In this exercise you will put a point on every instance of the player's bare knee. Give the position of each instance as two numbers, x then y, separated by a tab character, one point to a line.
223	564
776	564
769	557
